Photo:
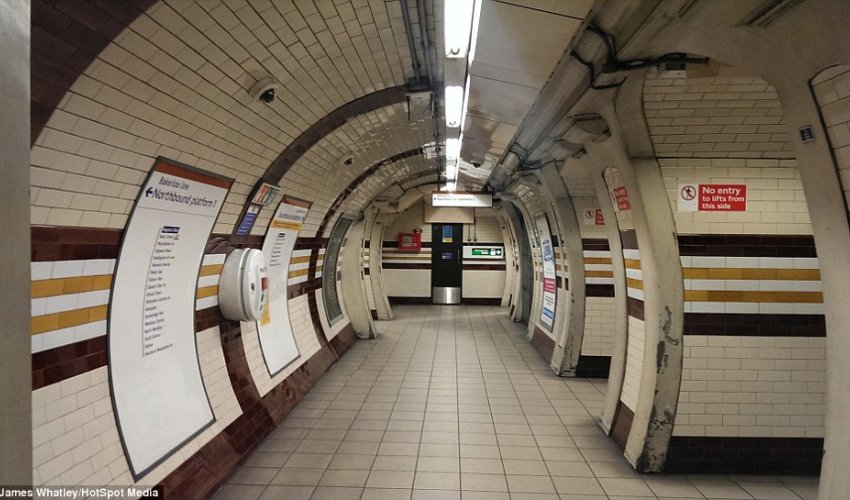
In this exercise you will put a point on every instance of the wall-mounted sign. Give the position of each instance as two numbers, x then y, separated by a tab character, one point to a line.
277	342
447	234
330	294
158	394
248	219
458	199
712	198
620	198
483	252
547	312
410	242
593	217
265	194
807	133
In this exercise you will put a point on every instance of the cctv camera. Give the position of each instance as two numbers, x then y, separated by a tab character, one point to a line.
264	90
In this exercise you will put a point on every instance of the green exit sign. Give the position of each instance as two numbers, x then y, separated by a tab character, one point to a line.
488	252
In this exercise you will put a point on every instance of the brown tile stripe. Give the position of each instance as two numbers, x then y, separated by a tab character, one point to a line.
753	296
71	243
398	265
481	301
744	455
596	244
55	365
200	475
410	300
343	340
635	307
757	325
622	424
628	238
755	245
543	343
484	267
593	290
66	38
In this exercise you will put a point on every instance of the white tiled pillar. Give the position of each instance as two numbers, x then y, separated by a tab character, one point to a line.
15	359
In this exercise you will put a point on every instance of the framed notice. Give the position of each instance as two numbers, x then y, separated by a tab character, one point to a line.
547	313
330	294
158	394
277	341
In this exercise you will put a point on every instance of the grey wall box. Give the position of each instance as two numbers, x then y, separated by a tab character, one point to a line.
243	286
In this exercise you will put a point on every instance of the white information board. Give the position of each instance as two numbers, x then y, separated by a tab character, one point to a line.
159	397
483	200
547	312
277	340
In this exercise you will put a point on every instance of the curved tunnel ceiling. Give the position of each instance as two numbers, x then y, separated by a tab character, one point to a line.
172	79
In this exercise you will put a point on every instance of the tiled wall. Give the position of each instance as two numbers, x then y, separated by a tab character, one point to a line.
599	298
832	90
76	439
728	115
754	326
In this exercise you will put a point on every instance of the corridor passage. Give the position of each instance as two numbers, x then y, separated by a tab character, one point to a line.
453	402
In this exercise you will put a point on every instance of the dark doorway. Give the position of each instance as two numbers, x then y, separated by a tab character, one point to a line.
446	263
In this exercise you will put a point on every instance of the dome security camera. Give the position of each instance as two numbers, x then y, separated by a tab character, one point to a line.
265	90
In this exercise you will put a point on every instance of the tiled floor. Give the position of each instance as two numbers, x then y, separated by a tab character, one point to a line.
452	402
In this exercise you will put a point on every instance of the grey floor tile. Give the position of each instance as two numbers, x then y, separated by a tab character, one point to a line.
615	486
578	486
239	492
309	460
347	478
436	481
529	484
298	477
386	494
336	493
390	479
435	495
277	492
483	482
438	464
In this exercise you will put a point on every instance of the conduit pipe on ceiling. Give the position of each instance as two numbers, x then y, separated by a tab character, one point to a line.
408	28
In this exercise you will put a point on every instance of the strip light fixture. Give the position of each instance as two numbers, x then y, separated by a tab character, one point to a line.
457	17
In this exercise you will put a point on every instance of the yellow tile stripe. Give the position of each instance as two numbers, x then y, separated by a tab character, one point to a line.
63	286
752	296
632	263
302	272
751	274
299	260
210	270
207	291
599	274
67	319
633	283
597	260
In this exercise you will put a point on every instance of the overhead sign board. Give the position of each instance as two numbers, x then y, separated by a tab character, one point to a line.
153	355
476	200
712	198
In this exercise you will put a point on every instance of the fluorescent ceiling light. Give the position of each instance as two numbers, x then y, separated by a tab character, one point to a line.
454	105
457	26
451	171
452	149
